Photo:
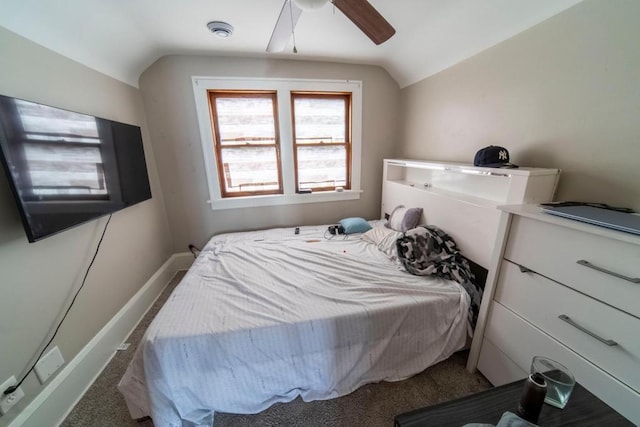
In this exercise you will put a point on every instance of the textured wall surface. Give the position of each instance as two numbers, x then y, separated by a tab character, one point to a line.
562	94
170	107
39	278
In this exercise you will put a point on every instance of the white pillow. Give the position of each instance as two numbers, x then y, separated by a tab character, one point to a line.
384	239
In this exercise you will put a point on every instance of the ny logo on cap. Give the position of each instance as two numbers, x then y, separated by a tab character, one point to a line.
502	155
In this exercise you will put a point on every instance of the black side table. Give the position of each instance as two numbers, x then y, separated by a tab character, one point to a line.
583	409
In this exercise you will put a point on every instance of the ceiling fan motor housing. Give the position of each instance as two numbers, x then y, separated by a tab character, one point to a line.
310	4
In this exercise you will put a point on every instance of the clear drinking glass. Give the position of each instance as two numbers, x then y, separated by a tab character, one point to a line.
560	380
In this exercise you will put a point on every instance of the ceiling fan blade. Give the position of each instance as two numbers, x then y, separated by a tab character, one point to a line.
287	21
367	18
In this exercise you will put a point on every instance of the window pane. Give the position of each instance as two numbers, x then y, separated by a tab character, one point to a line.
250	169
42	119
44	123
245	120
322	166
55	170
320	119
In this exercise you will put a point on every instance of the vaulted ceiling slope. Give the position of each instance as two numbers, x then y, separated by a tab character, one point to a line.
121	38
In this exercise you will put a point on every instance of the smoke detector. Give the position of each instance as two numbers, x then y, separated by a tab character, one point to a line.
220	29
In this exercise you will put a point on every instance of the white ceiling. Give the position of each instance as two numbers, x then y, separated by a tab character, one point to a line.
121	38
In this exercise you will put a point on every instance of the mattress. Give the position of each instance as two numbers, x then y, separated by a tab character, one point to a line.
267	316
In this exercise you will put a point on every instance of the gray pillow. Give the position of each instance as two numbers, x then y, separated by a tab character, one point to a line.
403	219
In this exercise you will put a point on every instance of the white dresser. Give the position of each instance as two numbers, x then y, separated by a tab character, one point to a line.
567	290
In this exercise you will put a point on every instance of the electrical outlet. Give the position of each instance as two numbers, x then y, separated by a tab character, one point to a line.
8	400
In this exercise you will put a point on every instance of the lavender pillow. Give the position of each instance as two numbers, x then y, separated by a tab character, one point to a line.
403	219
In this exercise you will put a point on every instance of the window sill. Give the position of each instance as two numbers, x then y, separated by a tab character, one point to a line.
284	199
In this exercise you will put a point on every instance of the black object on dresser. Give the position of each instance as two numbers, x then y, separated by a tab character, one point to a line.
583	409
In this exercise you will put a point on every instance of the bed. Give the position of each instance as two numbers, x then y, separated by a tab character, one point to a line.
267	316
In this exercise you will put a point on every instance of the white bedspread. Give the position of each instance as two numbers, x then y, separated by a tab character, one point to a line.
267	316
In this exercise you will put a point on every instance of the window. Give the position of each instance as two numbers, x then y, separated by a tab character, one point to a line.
321	138
246	142
264	141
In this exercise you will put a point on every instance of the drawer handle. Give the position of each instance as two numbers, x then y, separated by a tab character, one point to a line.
609	272
567	319
524	269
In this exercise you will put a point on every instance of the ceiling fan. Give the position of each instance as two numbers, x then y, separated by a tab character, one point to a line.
360	12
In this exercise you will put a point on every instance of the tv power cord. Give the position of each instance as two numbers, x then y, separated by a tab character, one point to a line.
194	250
84	279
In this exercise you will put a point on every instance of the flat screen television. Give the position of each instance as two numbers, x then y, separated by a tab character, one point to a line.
65	168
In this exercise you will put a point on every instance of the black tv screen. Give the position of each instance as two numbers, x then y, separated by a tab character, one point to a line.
66	168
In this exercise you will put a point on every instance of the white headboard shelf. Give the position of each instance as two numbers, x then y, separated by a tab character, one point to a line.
462	199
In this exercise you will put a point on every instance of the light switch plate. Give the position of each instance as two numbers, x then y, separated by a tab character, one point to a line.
49	364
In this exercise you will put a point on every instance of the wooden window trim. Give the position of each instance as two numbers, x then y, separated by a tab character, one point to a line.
347	96
218	146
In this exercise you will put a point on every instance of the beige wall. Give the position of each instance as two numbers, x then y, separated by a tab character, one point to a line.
37	279
563	94
170	108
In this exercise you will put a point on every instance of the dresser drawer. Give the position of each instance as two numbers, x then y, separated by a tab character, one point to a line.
497	367
554	251
520	340
541	302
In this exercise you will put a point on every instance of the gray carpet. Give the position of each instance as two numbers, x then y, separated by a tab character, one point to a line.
371	405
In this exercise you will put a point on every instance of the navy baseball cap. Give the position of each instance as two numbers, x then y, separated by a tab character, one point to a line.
493	156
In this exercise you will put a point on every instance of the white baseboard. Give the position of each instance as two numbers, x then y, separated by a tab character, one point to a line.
59	397
182	261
